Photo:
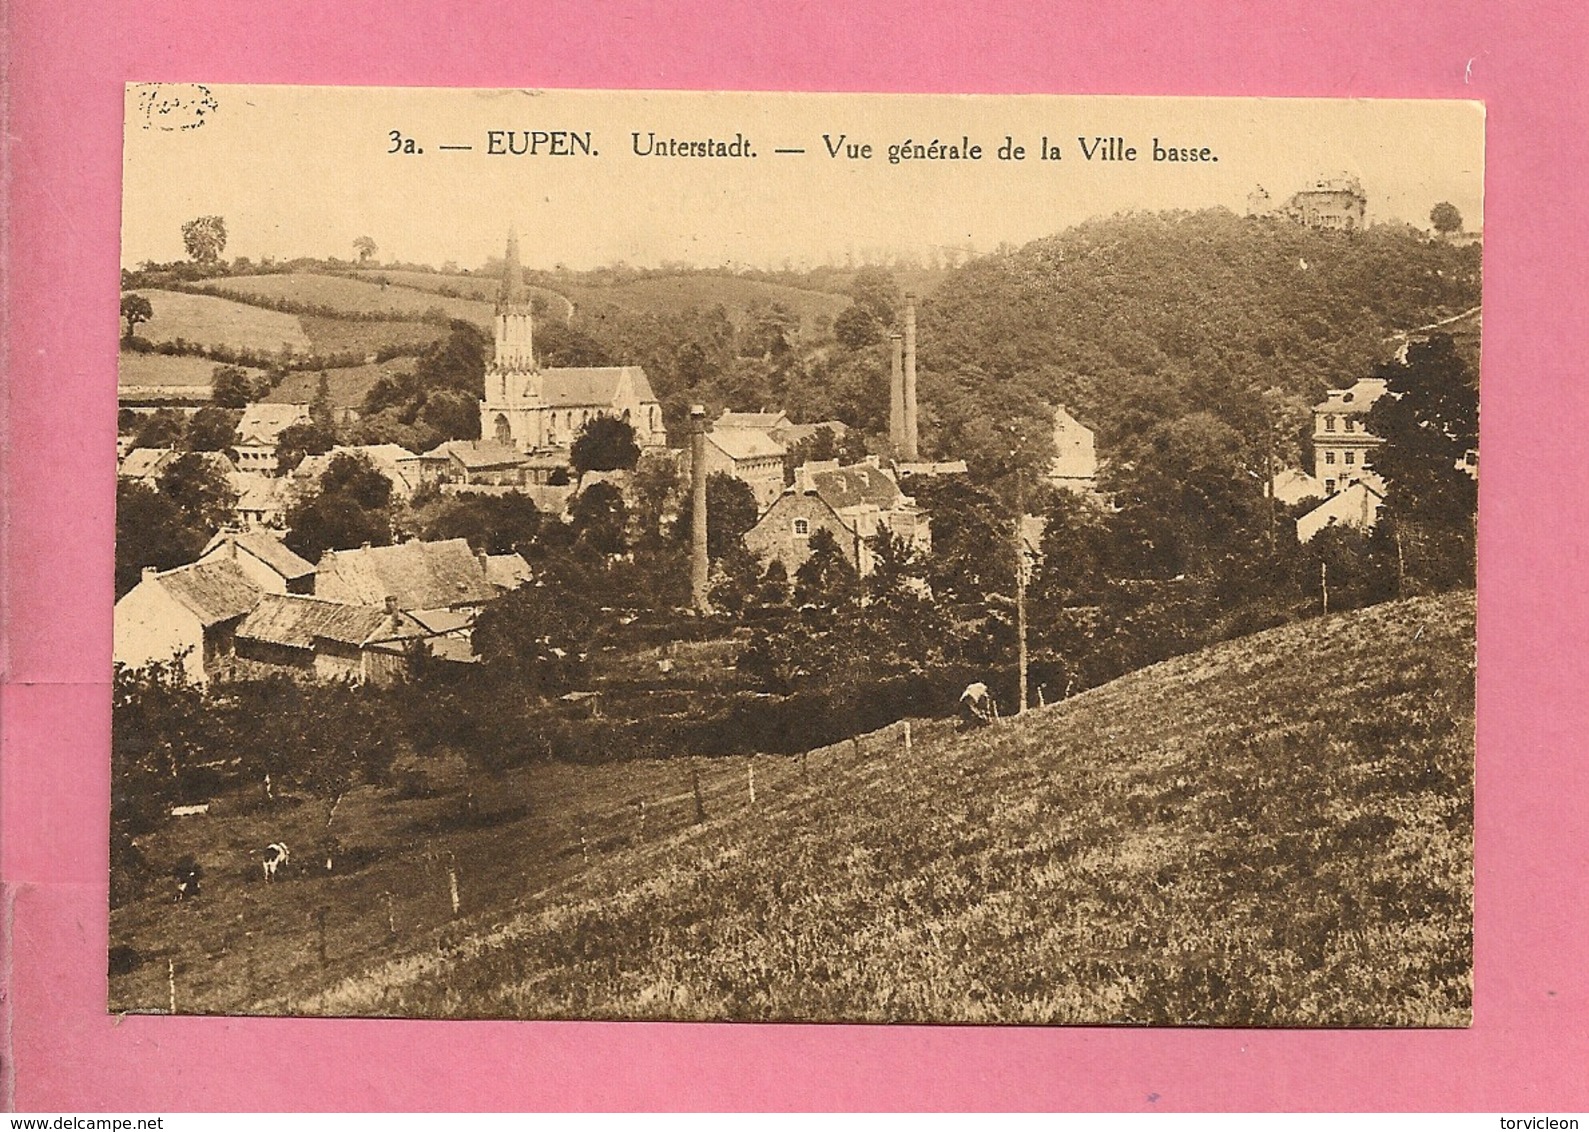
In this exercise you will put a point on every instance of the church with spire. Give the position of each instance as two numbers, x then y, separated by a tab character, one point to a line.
541	409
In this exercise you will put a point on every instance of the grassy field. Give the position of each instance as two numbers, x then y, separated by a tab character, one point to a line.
347	384
1274	831
480	288
134	368
211	321
353	296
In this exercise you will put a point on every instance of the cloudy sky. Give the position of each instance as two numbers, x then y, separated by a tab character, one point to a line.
305	171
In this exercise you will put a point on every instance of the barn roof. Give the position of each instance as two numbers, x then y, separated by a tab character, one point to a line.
507	571
298	622
420	575
142	463
479	453
592	386
212	591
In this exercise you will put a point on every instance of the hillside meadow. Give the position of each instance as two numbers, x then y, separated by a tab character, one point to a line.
352	297
207	320
1272	831
140	369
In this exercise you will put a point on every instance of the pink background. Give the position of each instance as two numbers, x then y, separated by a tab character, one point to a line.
1527	1049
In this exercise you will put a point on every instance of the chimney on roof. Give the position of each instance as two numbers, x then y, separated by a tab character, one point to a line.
910	378
391	604
484	565
896	392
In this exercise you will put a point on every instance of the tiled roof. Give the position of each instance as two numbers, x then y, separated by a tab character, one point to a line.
297	622
745	444
509	571
262	421
592	386
142	463
212	591
793	434
268	549
1360	396
256	492
860	483
420	575
479	453
765	422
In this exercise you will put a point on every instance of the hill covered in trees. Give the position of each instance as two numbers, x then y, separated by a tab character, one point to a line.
1140	318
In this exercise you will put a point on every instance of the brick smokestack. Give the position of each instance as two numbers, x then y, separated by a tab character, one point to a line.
911	451
698	568
896	393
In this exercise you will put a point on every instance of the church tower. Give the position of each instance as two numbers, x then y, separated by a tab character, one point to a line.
509	412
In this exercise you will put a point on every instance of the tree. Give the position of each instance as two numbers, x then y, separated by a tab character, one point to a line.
230	387
366	248
493	524
1428	419
211	429
162	428
826	578
205	238
201	491
135	309
604	444
306	438
539	630
600	518
1445	218
731	511
151	530
856	327
351	506
875	291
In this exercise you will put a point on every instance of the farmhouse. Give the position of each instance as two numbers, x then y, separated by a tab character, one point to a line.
417	575
854	504
260	430
189	613
532	408
480	463
1357	506
261	500
265	559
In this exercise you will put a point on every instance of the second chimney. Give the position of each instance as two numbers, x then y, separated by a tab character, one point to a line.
896	394
911	454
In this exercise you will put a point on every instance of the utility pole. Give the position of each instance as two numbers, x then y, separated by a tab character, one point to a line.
698	565
1324	584
1020	581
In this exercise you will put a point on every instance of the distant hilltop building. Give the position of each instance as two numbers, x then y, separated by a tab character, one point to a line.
1075	465
533	408
1334	203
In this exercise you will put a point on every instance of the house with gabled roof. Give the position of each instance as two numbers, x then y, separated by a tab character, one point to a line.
189	613
481	463
854	504
260	430
145	464
269	563
418	575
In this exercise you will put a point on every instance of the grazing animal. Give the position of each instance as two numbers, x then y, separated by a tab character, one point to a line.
187	874
276	855
976	705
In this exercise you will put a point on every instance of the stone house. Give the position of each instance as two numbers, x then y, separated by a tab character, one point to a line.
417	575
749	455
853	504
327	640
264	558
259	431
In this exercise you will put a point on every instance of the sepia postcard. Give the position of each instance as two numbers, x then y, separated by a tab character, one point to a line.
795	557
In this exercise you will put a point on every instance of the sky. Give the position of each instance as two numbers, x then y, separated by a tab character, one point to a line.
304	171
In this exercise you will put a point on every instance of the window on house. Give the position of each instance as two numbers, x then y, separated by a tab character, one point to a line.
802	527
1351	457
1329	457
1329	487
1350	424
1329	424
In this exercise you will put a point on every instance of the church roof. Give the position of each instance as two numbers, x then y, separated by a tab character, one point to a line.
565	387
420	575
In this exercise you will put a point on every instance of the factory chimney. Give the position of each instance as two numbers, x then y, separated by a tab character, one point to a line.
911	453
896	394
698	567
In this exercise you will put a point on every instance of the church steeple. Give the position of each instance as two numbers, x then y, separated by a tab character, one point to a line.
514	336
511	292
